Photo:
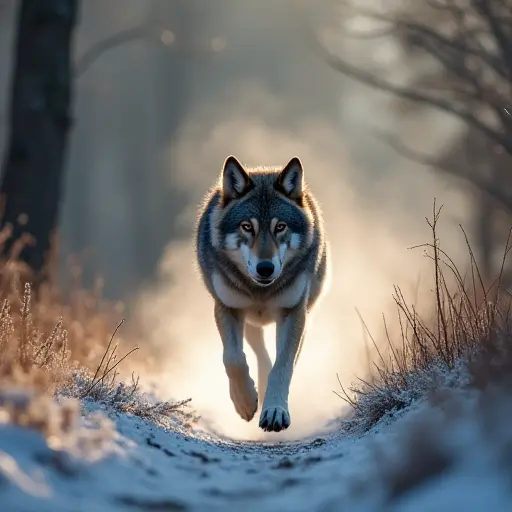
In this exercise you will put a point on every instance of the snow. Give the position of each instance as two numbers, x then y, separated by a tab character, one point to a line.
127	463
144	465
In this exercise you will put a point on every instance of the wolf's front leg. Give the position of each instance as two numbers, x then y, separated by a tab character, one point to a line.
290	331
230	323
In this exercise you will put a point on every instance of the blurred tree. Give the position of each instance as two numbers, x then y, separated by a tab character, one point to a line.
464	53
470	41
134	123
39	122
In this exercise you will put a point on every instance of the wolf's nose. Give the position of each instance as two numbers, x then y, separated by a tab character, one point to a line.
265	269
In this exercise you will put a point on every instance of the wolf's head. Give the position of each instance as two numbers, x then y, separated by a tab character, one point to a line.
263	221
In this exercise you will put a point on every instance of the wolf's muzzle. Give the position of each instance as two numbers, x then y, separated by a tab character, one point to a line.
265	269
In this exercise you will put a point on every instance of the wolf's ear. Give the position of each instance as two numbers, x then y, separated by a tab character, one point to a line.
291	179
235	180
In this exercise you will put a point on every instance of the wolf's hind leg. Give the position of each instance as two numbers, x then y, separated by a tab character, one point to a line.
230	323
255	338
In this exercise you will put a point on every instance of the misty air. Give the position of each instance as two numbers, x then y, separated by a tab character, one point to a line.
255	254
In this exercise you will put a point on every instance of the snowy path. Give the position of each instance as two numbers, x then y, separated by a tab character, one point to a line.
155	469
141	467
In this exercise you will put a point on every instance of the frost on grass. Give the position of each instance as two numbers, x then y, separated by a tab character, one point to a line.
103	387
43	336
60	382
454	452
451	454
55	355
469	318
379	402
126	398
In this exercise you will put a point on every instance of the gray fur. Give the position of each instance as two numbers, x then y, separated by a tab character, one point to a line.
262	194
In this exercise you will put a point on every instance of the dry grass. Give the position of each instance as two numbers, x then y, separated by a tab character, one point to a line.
42	340
55	346
452	347
458	364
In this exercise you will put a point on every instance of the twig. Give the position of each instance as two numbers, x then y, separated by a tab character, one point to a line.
107	44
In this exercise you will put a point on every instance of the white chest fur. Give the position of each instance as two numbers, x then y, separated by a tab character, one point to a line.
229	296
291	295
286	298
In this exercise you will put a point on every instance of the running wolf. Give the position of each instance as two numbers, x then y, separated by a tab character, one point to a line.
263	256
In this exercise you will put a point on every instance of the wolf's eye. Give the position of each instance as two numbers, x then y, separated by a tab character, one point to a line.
247	227
280	227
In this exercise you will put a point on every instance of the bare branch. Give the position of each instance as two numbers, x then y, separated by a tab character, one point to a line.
448	6
485	7
459	110
493	189
468	88
411	27
107	44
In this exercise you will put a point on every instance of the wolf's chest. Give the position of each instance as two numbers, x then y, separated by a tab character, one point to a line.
260	311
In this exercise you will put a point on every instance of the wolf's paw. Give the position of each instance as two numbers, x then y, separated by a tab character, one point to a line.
274	419
244	397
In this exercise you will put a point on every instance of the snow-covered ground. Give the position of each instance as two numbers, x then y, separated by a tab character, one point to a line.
424	459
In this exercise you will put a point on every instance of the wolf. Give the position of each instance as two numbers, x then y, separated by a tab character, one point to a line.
263	256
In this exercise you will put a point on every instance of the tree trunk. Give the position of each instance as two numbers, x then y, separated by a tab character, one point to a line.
40	120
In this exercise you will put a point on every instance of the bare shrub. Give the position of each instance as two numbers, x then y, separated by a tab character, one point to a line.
127	398
37	349
470	319
42	333
54	346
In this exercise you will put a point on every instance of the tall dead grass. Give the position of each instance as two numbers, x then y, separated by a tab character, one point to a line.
44	335
55	344
468	327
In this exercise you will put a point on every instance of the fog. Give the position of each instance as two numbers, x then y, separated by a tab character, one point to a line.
155	118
